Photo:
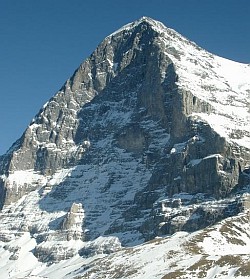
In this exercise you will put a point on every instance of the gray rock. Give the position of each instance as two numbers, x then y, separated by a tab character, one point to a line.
73	222
123	112
52	254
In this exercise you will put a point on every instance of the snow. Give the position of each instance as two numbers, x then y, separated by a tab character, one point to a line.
223	84
21	178
236	74
232	104
26	260
212	156
217	243
154	259
195	162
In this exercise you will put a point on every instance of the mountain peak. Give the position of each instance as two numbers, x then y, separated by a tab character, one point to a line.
149	20
154	24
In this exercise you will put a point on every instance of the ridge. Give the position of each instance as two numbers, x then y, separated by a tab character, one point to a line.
157	25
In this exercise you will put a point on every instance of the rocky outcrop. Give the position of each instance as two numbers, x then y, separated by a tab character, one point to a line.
73	222
102	245
53	254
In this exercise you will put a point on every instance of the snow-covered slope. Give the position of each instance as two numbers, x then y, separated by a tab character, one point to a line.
221	251
133	167
225	85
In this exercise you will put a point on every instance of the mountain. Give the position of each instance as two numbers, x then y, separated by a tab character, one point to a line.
138	167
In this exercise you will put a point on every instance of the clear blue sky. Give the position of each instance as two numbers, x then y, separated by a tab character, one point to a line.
42	42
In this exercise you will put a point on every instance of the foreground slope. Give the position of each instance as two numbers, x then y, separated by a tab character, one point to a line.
149	137
220	251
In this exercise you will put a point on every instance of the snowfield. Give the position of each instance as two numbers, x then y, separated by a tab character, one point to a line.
221	251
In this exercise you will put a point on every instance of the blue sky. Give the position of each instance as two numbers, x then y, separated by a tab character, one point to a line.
43	42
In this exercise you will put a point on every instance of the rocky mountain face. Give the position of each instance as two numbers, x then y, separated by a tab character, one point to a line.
149	137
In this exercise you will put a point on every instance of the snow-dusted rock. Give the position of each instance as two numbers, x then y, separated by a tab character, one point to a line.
149	136
73	222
